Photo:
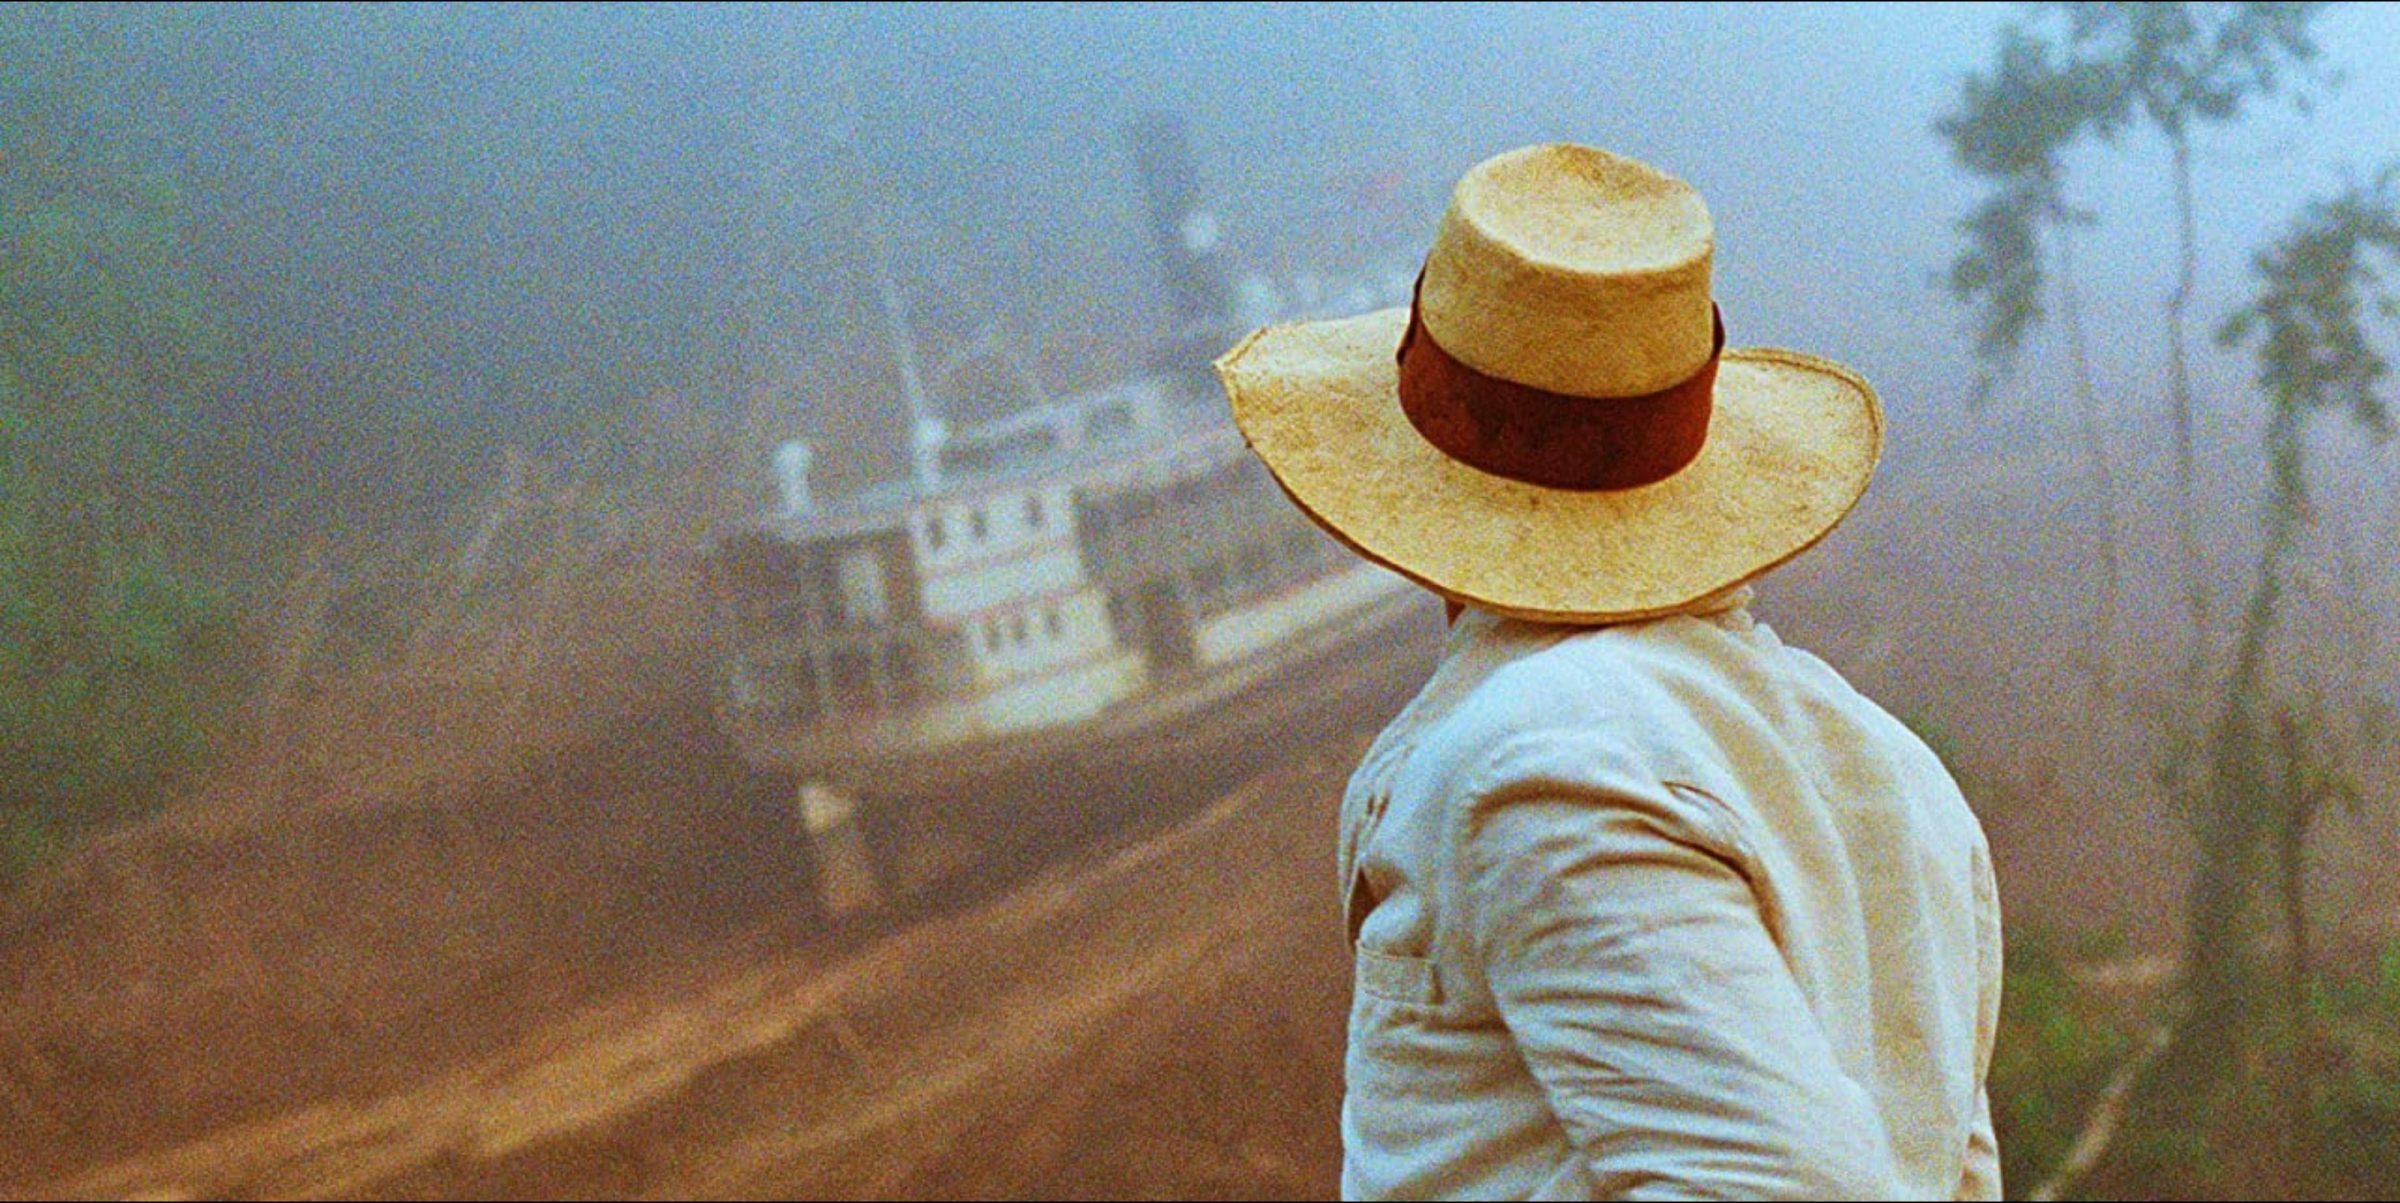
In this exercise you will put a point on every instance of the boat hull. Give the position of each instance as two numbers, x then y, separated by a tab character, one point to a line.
1242	711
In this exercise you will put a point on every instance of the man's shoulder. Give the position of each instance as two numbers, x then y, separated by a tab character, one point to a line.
1514	696
1552	704
1589	680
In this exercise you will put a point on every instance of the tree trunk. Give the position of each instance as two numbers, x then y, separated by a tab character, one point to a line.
2104	620
2219	981
2179	388
2292	854
2230	823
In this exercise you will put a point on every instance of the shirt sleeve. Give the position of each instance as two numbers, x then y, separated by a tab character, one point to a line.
1628	957
1981	1177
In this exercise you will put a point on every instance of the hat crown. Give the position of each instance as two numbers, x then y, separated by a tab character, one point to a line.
1575	271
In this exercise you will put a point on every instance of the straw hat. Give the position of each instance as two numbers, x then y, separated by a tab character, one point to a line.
1554	430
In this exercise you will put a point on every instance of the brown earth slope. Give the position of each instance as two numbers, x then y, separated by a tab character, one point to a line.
1160	1015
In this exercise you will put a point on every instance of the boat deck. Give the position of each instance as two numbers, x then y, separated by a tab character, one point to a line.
889	758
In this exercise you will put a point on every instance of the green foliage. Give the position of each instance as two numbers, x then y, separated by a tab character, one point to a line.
2230	1133
2177	1152
2356	1114
2000	272
2054	1054
2384	987
2368	996
26	840
2010	129
105	335
110	679
2175	65
2315	285
114	659
2356	1108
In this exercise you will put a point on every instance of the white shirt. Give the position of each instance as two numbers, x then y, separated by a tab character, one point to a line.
1662	910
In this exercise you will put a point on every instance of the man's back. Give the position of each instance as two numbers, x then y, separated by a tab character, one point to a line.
1662	908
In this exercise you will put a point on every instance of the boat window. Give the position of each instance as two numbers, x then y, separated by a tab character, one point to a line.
975	523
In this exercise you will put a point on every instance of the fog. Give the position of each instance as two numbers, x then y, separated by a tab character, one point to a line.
381	388
502	219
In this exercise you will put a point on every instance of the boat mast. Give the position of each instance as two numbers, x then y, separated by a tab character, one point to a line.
925	430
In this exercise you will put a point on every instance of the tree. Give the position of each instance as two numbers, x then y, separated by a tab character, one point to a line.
2175	67
2273	769
2089	73
107	671
2010	129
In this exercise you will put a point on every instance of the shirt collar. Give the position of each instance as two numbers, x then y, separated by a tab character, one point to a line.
1729	607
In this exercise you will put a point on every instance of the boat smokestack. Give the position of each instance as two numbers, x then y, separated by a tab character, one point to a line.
1189	241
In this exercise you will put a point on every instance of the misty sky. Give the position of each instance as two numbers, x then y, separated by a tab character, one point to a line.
510	215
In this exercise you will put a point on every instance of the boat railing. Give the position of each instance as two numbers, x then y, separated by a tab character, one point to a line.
1262	563
828	674
1213	542
1139	534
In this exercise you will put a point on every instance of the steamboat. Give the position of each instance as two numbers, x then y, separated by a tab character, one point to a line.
1079	581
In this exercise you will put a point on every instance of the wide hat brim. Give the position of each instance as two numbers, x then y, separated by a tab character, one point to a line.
1792	442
